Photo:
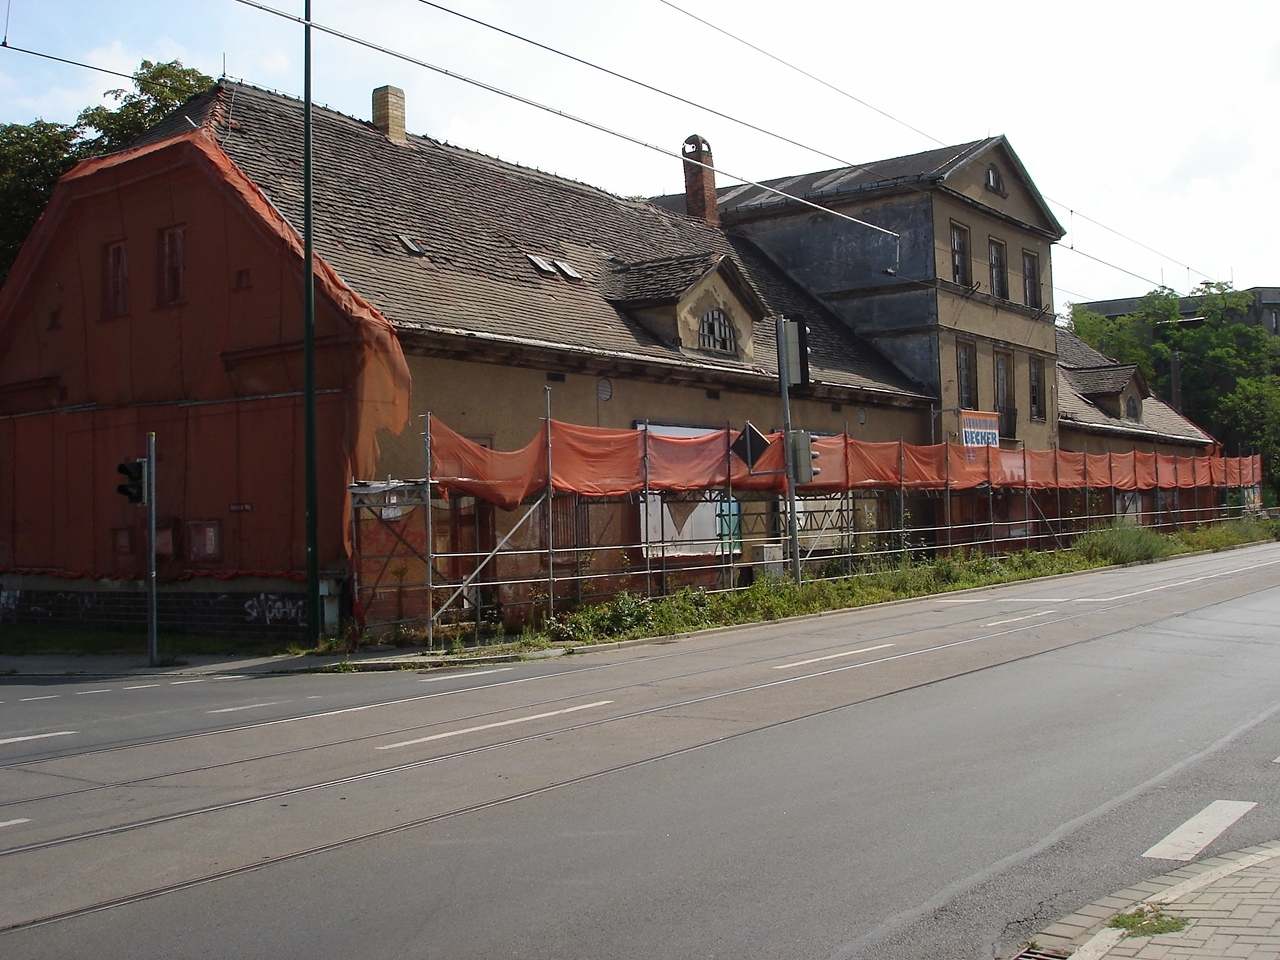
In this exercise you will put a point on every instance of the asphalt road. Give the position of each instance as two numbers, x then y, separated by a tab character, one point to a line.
930	779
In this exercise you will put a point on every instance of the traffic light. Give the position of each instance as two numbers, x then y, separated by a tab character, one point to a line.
134	488
804	456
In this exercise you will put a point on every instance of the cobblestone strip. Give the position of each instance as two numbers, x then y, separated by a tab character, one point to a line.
1232	902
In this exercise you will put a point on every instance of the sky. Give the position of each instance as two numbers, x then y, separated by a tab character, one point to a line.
1156	119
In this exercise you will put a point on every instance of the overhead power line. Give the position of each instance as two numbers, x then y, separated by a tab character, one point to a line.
928	136
803	72
635	81
554	111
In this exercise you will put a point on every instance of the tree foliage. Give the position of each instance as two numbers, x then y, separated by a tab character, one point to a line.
1230	369
34	155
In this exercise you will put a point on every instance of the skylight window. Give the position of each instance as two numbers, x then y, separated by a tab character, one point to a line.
541	264
567	269
411	246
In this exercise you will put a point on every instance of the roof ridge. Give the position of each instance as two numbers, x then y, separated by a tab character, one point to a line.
434	142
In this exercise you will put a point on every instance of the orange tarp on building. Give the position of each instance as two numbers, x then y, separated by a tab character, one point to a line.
594	462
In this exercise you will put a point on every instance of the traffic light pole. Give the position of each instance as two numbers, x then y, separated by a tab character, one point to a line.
784	377
153	639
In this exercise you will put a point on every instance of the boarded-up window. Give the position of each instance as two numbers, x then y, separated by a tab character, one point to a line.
967	374
204	540
115	280
960	272
1031	279
171	262
999	260
1036	376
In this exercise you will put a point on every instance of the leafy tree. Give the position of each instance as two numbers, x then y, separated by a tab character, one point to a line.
1230	369
159	88
34	155
32	158
1250	419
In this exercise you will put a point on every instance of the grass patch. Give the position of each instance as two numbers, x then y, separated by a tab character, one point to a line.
1146	921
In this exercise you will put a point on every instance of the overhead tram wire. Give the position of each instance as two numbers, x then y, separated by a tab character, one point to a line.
554	111
86	66
914	129
126	76
601	68
608	71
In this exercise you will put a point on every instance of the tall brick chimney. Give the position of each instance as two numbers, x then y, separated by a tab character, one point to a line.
388	112
699	182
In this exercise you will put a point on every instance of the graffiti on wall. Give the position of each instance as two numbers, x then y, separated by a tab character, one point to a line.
273	608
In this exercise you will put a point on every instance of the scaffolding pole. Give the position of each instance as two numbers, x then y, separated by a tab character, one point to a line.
431	596
644	535
549	501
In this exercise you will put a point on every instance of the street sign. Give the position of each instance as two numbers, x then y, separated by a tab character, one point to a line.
750	445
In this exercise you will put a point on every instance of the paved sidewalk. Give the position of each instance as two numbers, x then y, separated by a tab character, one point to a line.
1231	905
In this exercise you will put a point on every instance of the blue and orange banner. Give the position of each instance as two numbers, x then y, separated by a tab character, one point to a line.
980	428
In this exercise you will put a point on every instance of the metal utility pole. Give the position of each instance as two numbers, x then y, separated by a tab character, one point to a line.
153	627
309	346
784	384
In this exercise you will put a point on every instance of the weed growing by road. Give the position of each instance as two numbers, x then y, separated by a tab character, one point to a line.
1147	920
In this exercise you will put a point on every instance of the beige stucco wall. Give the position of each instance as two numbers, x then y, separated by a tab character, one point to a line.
1036	434
709	293
503	405
970	180
982	227
1081	440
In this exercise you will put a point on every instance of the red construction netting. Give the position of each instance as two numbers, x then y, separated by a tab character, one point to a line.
600	462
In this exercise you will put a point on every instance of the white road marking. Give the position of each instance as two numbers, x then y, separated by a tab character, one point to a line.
1029	616
178	683
14	823
1185	842
493	726
1276	760
40	736
314	696
1004	600
248	706
142	686
51	696
468	673
831	656
85	693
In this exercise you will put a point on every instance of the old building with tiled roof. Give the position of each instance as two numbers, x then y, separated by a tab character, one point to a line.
161	291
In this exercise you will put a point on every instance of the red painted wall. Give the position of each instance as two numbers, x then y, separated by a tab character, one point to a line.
216	376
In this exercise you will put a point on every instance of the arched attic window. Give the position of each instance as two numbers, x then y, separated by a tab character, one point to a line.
1132	409
715	332
995	181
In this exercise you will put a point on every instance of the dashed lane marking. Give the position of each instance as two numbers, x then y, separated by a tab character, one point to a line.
1029	616
50	696
832	656
494	726
14	823
39	736
467	674
248	706
1186	842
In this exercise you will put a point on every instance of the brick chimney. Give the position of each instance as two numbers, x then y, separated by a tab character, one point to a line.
699	182
388	112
